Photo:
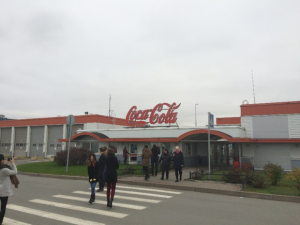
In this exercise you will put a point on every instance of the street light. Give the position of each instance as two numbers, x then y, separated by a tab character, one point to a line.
195	116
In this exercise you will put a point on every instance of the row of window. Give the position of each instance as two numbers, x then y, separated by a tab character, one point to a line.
34	145
5	144
52	145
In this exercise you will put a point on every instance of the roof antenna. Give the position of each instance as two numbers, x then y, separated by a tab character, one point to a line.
253	86
109	111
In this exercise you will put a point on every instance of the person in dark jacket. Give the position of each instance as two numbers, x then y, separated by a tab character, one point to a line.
165	160
154	160
125	154
178	162
101	169
146	155
93	170
111	175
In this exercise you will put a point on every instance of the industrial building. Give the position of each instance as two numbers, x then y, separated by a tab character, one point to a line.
268	132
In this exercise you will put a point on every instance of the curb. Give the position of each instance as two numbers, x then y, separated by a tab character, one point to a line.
183	188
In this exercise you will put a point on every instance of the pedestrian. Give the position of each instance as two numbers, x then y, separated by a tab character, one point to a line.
93	170
101	170
146	155
5	183
125	154
165	160
154	160
111	175
178	162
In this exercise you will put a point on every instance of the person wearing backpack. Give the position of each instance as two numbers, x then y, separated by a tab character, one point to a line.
111	175
154	160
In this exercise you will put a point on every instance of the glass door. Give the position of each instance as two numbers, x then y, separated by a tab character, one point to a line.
133	153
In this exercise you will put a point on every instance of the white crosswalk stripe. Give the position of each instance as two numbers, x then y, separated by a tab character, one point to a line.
120	197
53	216
142	193
149	189
80	204
129	206
8	221
80	208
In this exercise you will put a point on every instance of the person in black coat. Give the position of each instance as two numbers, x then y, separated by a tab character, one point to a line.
165	160
178	162
154	159
111	175
93	170
101	169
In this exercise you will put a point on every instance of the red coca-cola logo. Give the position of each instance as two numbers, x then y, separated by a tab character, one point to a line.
135	116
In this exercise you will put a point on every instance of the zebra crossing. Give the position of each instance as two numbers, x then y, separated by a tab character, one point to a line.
130	198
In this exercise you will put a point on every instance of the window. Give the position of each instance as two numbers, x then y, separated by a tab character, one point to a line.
58	145
34	145
51	145
2	144
21	144
7	144
40	145
133	148
17	144
24	144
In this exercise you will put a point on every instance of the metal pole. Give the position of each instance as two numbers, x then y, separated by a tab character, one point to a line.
68	150
208	144
195	116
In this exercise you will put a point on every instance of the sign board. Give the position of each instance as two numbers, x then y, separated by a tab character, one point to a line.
135	116
211	120
70	123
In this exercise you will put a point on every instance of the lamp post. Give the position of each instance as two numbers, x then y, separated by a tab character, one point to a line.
195	115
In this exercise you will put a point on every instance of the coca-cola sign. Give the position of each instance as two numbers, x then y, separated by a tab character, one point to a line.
139	117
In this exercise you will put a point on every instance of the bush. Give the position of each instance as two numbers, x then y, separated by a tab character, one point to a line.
294	175
273	172
248	169
77	156
258	181
234	175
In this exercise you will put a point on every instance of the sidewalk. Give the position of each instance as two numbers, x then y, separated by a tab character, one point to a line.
185	184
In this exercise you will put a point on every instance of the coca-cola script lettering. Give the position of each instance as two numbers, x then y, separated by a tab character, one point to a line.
135	116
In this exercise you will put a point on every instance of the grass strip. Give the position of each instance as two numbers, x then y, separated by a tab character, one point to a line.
54	168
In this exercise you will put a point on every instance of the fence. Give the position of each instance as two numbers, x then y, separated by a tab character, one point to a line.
229	178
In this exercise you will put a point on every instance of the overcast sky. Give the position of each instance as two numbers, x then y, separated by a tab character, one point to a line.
65	57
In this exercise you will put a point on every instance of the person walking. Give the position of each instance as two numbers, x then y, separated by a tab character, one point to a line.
165	160
5	183
101	170
93	170
125	154
111	176
154	160
178	162
146	155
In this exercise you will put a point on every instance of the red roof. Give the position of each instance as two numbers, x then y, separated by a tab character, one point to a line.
62	120
270	108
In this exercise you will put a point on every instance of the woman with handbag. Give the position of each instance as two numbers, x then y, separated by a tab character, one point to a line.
5	183
178	162
111	175
93	170
165	160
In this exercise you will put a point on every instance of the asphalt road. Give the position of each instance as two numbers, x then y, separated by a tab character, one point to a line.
38	197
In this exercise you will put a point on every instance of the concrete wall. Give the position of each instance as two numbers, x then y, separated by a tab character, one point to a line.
280	153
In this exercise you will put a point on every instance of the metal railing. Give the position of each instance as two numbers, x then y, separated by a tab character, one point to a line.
229	178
